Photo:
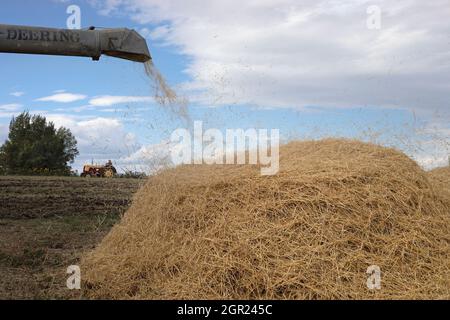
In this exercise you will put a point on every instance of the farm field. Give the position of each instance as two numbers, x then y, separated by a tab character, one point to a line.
46	223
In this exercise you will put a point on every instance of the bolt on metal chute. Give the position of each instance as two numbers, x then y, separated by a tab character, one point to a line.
120	43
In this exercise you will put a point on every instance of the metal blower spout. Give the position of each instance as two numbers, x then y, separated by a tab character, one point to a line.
124	44
119	43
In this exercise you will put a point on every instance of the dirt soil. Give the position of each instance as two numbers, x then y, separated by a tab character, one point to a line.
46	224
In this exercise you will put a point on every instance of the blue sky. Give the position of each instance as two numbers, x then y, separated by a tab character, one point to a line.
268	65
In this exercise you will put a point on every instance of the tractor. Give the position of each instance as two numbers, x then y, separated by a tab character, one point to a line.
99	171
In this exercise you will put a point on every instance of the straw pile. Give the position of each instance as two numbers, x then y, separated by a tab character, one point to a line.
441	178
310	232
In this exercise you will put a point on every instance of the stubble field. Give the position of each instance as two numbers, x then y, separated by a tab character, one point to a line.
47	223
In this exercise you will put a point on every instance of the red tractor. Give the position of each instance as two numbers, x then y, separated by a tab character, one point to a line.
99	171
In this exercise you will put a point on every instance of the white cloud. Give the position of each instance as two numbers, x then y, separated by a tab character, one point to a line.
63	98
434	148
106	101
149	158
98	138
432	162
10	107
293	54
8	114
97	135
111	110
17	93
10	110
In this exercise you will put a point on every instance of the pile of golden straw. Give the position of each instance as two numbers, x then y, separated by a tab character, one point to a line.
310	232
441	178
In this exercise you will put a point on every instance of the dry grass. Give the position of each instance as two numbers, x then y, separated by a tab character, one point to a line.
310	232
35	253
441	178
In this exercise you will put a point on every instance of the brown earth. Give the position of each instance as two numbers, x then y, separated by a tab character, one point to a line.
41	197
46	223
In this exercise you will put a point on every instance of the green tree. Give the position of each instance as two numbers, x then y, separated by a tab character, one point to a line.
36	146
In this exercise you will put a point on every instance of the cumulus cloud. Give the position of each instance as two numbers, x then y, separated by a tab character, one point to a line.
432	162
435	149
10	107
97	135
148	158
98	138
17	94
63	97
287	53
106	101
10	110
